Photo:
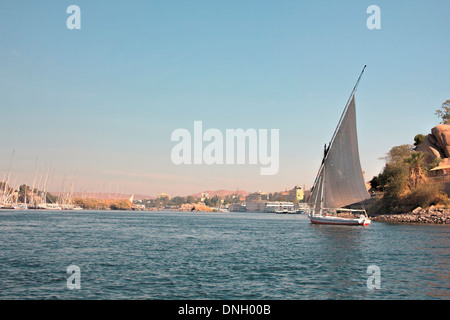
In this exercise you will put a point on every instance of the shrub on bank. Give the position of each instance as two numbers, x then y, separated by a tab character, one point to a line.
99	204
426	195
404	183
423	195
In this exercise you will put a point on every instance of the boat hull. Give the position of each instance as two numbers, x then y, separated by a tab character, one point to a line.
285	212
339	221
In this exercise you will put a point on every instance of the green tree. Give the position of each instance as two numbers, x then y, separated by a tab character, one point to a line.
419	139
399	153
444	112
393	182
215	201
404	182
162	201
232	198
24	193
177	201
51	198
375	183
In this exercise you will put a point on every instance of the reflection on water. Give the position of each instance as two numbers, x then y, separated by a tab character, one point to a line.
178	255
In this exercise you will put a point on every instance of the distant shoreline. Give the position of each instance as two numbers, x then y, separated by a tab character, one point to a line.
418	216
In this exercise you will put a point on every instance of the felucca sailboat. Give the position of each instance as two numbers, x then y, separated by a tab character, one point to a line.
340	180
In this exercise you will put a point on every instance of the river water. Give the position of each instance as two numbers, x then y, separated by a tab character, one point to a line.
252	256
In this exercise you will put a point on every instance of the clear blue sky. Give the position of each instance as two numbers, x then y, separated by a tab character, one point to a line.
103	101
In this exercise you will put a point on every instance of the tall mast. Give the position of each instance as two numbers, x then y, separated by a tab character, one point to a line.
34	182
7	178
337	128
39	193
345	109
45	185
61	194
69	201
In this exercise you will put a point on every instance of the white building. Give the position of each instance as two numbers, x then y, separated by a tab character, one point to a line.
256	206
278	206
269	206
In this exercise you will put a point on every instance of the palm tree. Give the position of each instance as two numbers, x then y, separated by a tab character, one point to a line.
417	168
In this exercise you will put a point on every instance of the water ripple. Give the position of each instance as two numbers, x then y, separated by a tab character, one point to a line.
176	255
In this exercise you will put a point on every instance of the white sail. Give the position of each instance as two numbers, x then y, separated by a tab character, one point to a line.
340	181
316	198
344	181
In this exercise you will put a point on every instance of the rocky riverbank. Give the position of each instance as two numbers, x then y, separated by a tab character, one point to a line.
432	215
198	207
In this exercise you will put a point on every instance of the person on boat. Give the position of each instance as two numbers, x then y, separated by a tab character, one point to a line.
325	151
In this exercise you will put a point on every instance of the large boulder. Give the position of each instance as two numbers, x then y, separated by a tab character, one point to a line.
437	144
442	135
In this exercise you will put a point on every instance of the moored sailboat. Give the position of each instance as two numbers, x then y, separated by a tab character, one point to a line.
340	182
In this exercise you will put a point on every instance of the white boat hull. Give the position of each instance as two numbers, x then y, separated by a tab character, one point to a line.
317	219
48	206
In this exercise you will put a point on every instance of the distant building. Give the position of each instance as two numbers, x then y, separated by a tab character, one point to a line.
237	207
271	202
269	206
255	206
278	206
204	196
441	174
257	196
296	193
